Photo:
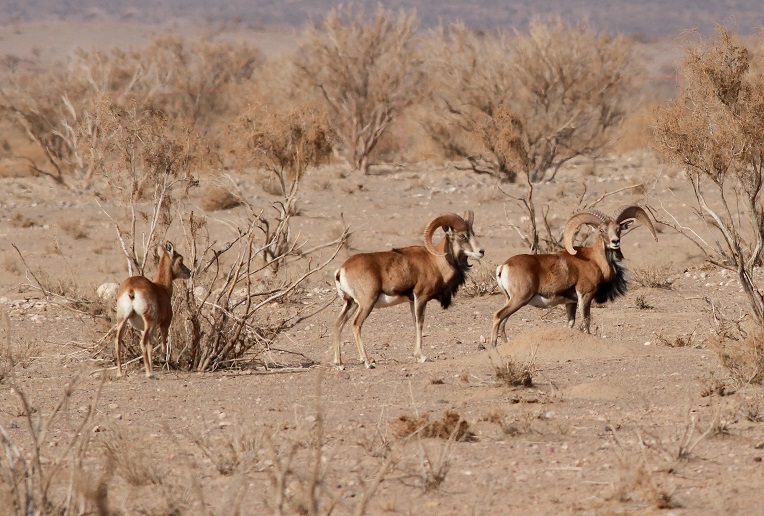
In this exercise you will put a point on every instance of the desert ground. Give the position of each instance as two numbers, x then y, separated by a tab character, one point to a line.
628	419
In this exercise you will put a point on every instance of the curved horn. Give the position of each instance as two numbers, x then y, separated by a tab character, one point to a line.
594	218
447	219
636	212
469	216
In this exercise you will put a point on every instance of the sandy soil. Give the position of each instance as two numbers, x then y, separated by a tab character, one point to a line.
618	421
600	430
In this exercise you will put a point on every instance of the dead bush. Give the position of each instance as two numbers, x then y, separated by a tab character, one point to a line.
513	374
192	80
652	276
563	90
714	131
282	142
365	70
44	474
743	359
450	426
481	280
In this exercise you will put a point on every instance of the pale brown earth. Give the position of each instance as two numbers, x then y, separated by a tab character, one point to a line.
599	432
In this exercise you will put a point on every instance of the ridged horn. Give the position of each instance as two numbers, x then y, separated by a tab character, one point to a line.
636	212
447	219
593	217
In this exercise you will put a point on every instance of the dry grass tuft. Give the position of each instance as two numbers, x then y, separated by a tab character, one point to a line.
74	228
20	221
652	276
641	303
716	386
512	374
130	458
451	424
679	341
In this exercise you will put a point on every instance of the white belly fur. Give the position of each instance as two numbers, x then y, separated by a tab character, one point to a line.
384	300
544	302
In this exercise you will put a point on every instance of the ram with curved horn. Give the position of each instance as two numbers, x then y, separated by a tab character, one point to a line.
415	274
574	276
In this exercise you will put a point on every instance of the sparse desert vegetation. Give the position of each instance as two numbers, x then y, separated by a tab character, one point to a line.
268	168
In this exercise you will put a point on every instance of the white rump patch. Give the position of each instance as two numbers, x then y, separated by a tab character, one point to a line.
132	309
343	289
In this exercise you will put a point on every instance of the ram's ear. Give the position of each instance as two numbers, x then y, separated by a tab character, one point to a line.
169	248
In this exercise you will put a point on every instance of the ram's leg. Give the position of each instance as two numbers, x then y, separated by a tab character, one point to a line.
570	310
339	324
585	300
360	317
500	318
418	311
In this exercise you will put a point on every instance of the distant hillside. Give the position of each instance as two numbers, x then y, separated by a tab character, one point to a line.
651	18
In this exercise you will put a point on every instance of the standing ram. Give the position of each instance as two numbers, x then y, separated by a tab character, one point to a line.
415	274
573	276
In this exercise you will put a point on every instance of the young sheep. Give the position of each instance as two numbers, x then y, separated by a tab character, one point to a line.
415	274
574	276
147	305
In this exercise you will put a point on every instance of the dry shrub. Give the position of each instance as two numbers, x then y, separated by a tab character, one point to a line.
365	71
513	374
43	473
234	450
743	359
282	142
715	131
450	426
481	281
678	341
470	77
197	81
236	301
131	458
217	199
641	303
652	276
533	101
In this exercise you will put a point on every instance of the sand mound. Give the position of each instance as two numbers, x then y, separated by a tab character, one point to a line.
562	344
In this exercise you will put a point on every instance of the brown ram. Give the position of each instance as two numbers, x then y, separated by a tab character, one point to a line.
574	276
415	274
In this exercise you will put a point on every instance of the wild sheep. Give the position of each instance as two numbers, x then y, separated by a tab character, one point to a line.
574	276
415	274
148	304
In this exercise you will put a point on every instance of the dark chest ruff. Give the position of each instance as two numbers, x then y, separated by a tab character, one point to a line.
446	294
618	283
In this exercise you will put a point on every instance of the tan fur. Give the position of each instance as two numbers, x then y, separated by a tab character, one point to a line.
147	305
569	277
415	274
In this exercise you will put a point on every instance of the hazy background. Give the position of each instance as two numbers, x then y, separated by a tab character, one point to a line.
650	18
